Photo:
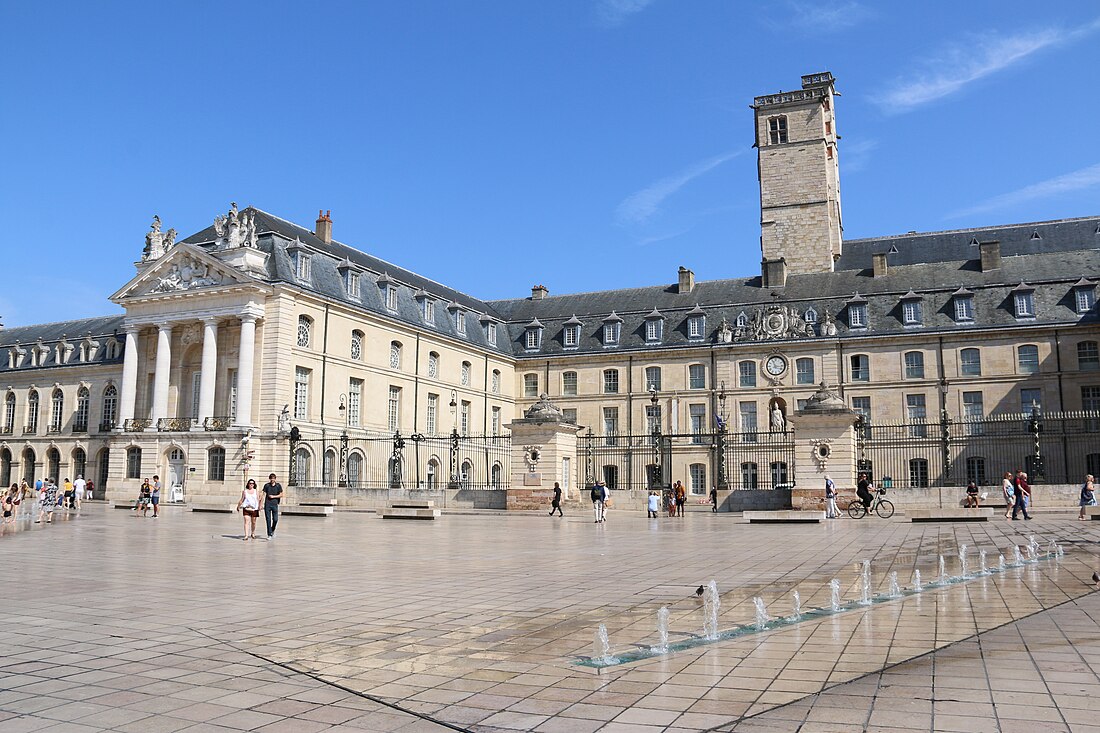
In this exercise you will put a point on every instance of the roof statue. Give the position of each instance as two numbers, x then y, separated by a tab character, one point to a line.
157	242
236	228
825	400
543	411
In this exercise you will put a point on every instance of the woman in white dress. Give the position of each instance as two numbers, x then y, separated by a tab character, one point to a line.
250	505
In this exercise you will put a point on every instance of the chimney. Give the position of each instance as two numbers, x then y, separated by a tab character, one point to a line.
774	272
324	226
879	268
991	255
539	292
687	280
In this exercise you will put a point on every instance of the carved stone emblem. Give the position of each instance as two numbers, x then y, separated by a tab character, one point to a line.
186	274
532	455
774	322
236	228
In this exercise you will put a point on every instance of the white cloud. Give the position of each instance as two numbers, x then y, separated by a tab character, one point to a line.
823	17
614	12
1075	181
854	156
640	206
959	64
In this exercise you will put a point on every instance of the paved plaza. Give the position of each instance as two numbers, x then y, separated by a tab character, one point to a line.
476	622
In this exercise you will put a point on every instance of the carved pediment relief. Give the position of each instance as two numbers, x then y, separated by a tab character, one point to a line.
773	322
184	268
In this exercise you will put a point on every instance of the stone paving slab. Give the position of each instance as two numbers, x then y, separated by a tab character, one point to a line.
178	624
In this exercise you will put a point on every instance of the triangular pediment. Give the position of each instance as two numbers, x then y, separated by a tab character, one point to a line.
185	268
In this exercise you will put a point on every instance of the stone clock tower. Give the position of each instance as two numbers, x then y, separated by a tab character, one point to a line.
797	161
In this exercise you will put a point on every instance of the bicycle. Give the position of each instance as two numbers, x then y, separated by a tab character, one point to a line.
881	506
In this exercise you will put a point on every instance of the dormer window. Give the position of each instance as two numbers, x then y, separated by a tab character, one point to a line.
427	308
350	276
491	332
857	312
810	316
911	310
964	305
458	318
611	326
742	320
391	297
300	259
777	129
571	333
1084	295
654	326
533	336
696	323
1023	300
388	286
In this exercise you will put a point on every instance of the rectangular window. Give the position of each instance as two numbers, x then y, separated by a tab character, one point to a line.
777	130
857	315
569	337
862	407
914	364
530	385
698	415
355	401
1027	359
196	390
964	308
393	409
911	312
973	412
861	368
970	362
133	463
496	420
491	333
432	422
1025	304
1088	356
652	417
698	474
301	393
610	334
1085	298
464	417
696	327
611	381
302	265
916	412
1030	399
747	411
232	396
653	378
697	376
391	297
533	338
460	322
804	371
215	468
569	383
427	310
351	284
746	374
1090	400
610	424
653	329
569	415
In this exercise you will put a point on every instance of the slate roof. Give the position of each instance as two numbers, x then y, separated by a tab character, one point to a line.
52	333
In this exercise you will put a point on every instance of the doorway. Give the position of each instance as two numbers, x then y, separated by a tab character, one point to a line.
176	470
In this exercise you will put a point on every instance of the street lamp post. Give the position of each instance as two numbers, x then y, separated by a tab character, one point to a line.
720	439
945	431
345	413
454	483
657	477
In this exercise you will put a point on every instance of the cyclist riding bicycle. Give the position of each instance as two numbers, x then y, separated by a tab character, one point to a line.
863	490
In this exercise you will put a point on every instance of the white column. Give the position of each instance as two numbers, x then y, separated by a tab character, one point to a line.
162	374
245	365
209	368
129	377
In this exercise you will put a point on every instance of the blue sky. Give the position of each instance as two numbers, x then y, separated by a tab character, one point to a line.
582	144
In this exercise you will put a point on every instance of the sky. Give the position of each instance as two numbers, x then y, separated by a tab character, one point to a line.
580	144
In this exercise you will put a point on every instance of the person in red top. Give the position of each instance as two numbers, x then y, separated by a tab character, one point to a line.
1022	491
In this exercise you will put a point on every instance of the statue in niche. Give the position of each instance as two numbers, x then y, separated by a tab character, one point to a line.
828	324
284	419
778	421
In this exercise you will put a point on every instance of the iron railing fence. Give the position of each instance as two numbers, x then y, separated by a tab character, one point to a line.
1053	448
368	460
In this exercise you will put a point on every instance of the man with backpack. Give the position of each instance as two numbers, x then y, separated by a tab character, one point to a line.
599	493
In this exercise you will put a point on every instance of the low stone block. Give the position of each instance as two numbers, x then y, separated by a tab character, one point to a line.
318	502
409	513
227	508
305	510
412	504
1092	512
785	516
950	514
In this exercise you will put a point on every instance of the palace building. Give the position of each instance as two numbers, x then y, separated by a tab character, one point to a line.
257	344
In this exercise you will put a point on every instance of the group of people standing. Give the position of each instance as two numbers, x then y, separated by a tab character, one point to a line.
50	497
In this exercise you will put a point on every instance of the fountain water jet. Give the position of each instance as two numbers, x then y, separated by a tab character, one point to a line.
865	584
1052	548
601	649
895	590
1000	562
1060	551
796	606
662	630
916	581
964	571
834	595
761	615
1017	556
943	571
711	604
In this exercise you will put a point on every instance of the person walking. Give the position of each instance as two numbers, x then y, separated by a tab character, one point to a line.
273	493
89	490
249	504
23	496
605	494
67	496
653	505
47	502
1008	489
1088	495
7	506
80	487
831	510
714	499
597	502
555	503
1023	491
681	498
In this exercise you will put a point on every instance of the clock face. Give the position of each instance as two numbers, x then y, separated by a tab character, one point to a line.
775	365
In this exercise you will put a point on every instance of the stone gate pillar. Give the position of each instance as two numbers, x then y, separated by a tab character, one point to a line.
824	445
544	450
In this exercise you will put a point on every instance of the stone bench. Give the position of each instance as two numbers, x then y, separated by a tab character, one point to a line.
317	502
1092	512
410	509
228	508
950	514
412	504
306	510
784	516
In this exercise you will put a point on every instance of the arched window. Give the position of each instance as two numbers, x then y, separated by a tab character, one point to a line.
53	465
133	462
811	315
750	478
742	319
9	415
57	405
301	467
433	365
466	369
1027	359
861	368
467	474
110	408
328	472
215	464
496	381
305	324
355	468
5	467
357	345
970	362
395	355
80	463
28	465
433	474
80	418
32	413
494	476
914	364
918	472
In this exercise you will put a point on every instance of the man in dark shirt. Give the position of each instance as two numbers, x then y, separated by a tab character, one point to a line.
273	492
863	490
